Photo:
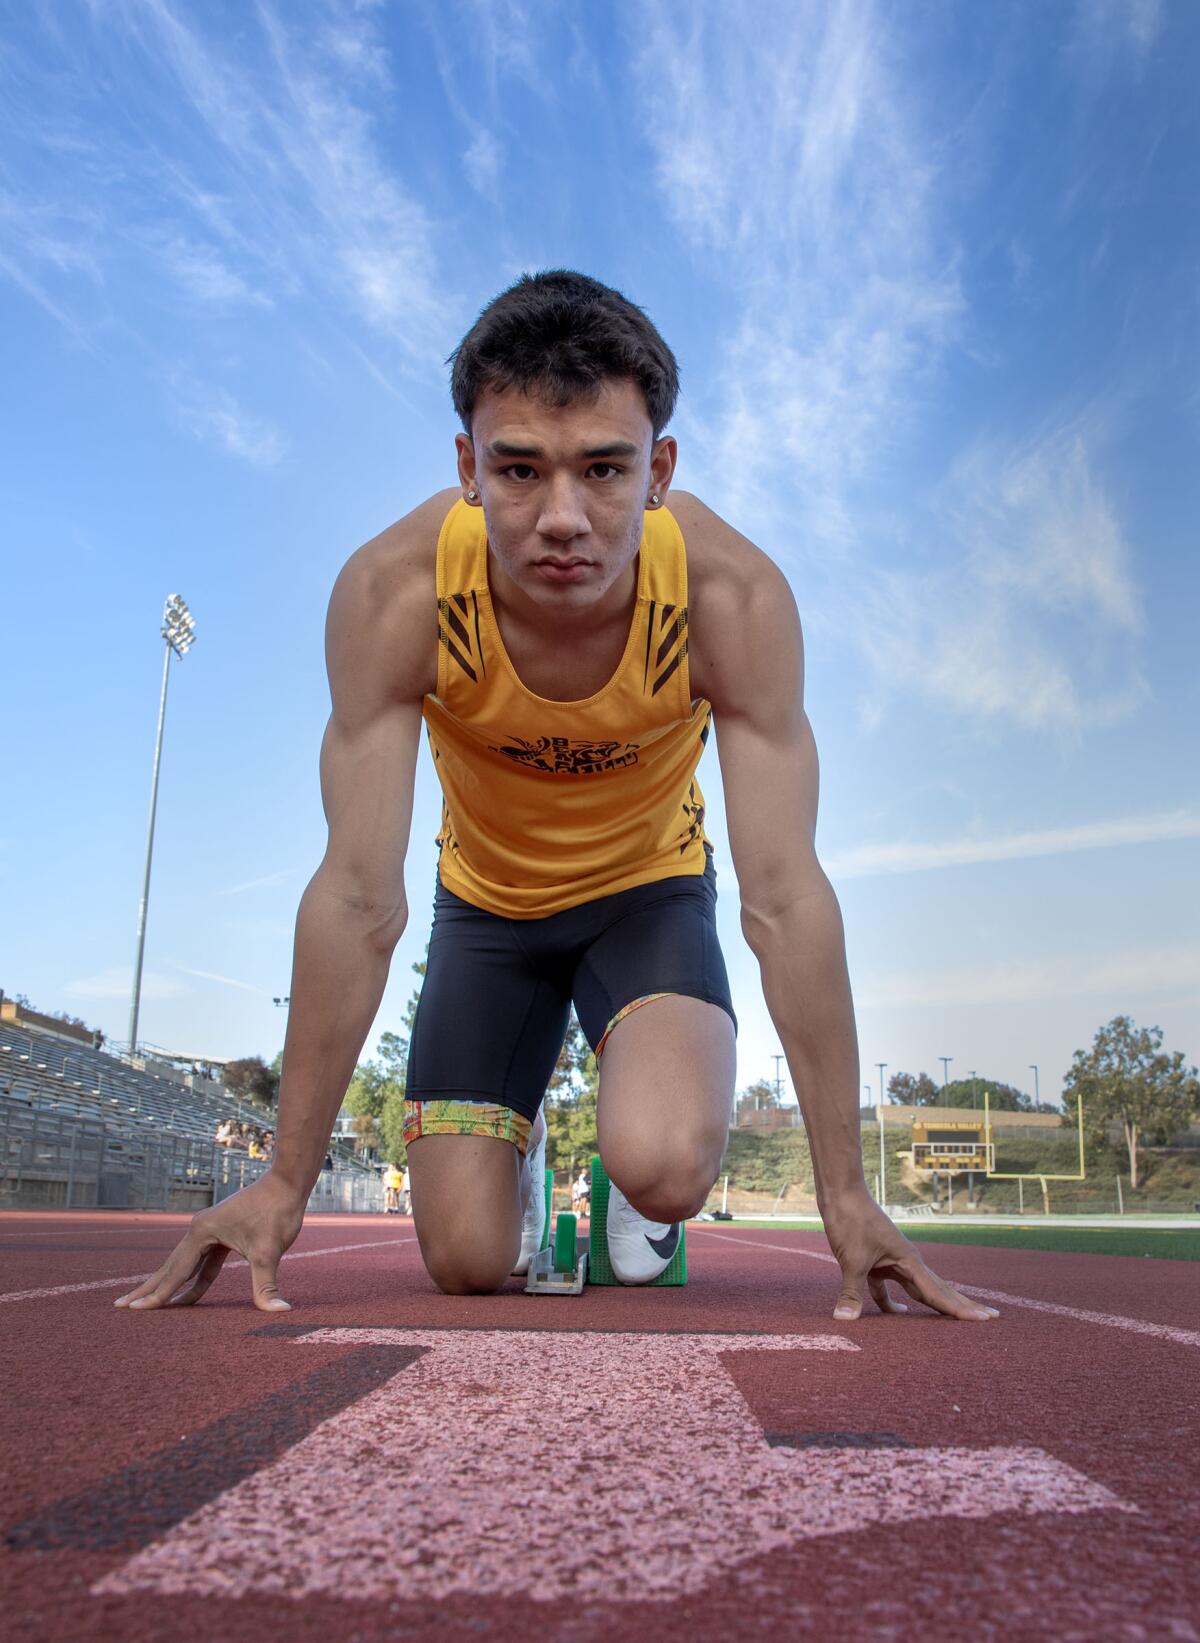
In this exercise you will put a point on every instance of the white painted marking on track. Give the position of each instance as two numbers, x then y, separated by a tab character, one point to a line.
140	1277
449	1479
1138	1326
1110	1320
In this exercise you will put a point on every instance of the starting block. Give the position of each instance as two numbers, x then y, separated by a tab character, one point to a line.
561	1270
599	1268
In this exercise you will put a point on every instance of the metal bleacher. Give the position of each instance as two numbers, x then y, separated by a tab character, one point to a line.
89	1083
80	1126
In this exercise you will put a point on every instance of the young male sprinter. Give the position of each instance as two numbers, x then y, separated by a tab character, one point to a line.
567	640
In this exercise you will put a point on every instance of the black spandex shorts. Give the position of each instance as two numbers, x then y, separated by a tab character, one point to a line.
497	993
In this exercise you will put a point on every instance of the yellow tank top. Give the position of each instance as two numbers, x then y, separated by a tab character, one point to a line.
549	804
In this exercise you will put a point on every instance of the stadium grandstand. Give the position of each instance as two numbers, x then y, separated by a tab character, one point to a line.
85	1125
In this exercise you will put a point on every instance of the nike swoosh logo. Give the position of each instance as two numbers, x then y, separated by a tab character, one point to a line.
667	1244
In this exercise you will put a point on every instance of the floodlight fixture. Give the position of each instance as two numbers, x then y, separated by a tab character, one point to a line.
178	625
179	630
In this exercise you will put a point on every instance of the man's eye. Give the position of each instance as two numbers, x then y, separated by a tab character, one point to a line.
609	470
520	471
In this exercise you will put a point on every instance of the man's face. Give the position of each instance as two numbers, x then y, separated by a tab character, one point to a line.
564	487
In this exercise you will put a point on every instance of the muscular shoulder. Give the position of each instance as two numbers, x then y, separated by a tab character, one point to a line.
381	636
742	615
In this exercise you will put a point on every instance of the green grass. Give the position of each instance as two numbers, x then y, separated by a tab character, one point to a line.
1163	1243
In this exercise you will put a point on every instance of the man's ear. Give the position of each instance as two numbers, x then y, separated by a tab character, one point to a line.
663	459
467	476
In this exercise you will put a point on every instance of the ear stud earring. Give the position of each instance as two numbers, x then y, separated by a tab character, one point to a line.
472	495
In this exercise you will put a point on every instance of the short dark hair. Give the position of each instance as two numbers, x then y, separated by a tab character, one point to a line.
560	334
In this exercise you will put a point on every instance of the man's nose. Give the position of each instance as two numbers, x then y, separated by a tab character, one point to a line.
563	514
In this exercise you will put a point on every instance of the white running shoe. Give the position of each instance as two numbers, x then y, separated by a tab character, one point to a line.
638	1250
533	1226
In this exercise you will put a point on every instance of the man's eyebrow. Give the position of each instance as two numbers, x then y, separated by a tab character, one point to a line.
501	447
616	447
594	453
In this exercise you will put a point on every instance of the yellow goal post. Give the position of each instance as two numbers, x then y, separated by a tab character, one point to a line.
1032	1175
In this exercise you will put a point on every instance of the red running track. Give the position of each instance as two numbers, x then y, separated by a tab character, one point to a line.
717	1461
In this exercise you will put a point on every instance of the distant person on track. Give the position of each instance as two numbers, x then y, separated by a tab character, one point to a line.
567	640
405	1192
581	1193
391	1190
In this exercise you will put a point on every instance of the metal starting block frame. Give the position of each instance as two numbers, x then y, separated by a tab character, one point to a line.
545	1279
559	1268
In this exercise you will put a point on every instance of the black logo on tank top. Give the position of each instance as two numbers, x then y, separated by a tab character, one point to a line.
563	757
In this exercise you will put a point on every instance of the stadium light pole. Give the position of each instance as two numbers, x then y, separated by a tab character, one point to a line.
974	1090
945	1061
179	631
1037	1094
882	1177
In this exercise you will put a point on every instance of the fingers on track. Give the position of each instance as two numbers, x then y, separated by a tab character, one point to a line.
184	1263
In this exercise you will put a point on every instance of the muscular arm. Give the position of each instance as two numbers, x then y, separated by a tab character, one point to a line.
381	652
790	915
380	648
749	650
354	910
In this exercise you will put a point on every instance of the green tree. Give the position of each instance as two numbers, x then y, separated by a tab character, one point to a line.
375	1097
391	1128
1127	1078
907	1091
251	1078
762	1093
367	1091
571	1102
968	1092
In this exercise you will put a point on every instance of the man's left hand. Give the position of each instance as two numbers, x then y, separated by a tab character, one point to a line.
872	1253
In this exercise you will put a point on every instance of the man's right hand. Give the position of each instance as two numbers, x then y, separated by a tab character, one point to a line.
259	1223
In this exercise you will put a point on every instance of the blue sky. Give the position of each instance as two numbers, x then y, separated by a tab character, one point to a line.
931	274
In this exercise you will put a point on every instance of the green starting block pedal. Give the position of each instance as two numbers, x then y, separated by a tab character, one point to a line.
549	1190
561	1270
599	1267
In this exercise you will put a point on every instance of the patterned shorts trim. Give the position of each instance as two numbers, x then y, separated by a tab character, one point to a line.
487	1117
636	1004
465	1118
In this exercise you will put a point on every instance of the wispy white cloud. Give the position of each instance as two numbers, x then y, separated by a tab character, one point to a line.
791	155
1110	28
481	162
1164	974
207	277
1029	611
868	860
117	982
815	176
47	244
272	181
224	981
267	882
216	417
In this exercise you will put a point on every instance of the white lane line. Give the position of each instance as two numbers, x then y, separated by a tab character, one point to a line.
67	1232
1110	1320
1137	1326
140	1277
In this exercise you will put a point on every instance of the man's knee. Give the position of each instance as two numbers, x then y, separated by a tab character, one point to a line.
672	1182
459	1268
